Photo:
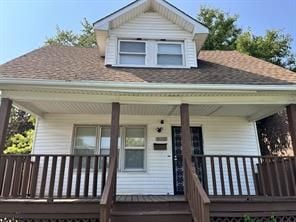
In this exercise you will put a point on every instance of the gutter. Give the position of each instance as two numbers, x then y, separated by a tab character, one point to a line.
140	86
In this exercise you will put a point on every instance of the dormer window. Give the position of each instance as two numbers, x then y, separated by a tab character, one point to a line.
170	54
132	52
151	53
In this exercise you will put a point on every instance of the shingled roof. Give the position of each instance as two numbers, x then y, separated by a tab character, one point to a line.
74	63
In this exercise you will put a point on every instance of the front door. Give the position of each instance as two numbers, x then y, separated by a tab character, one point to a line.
197	148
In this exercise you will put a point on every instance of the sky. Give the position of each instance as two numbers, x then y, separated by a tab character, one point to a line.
26	24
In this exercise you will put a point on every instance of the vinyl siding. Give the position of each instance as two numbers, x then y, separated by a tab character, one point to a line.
221	135
151	25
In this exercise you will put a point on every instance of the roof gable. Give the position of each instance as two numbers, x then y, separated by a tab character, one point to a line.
162	7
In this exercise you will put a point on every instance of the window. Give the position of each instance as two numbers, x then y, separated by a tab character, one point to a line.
90	140
85	142
169	54
132	53
134	150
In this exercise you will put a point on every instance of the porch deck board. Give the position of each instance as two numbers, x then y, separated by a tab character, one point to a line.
150	198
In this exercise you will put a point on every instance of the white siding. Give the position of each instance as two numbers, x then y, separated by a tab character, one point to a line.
151	25
221	136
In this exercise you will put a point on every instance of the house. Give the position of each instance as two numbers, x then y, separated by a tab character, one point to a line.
147	126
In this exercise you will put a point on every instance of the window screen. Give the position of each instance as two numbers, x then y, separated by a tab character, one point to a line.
132	53
169	54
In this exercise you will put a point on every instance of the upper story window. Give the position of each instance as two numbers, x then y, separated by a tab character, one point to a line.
151	53
132	52
170	54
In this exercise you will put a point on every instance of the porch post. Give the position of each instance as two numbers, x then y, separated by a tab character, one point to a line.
185	141
114	138
5	109
291	112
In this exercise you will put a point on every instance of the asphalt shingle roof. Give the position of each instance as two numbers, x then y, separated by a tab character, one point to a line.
74	63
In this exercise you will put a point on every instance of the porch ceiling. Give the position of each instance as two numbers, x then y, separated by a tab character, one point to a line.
251	112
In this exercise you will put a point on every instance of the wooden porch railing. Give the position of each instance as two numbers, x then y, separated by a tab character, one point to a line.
52	176
197	198
109	194
247	175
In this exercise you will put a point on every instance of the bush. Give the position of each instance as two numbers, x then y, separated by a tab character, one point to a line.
20	143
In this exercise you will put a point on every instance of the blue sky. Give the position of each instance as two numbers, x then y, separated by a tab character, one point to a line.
25	24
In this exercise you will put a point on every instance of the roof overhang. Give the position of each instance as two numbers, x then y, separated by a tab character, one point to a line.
251	101
199	31
142	87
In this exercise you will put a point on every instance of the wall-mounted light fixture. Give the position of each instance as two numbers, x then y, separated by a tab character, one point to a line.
160	129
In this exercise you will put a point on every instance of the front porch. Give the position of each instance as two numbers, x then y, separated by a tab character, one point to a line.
228	179
66	186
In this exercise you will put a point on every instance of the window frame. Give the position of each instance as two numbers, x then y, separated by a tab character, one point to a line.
131	53
75	134
122	132
170	43
134	148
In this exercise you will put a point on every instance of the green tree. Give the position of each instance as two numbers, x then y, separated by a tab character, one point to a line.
20	143
19	132
65	37
274	47
223	30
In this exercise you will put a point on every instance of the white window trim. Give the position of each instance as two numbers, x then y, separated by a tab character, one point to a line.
121	166
151	54
170	43
134	148
85	126
131	53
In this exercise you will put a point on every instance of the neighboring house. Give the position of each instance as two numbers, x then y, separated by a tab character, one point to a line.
110	119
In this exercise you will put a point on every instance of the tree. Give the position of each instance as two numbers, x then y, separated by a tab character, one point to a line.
273	133
20	132
84	39
223	31
20	143
274	47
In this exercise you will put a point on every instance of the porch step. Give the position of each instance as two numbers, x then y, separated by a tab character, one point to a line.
152	211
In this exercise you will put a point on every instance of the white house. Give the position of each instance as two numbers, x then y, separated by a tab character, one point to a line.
147	71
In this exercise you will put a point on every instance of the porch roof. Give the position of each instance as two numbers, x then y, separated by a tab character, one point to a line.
85	64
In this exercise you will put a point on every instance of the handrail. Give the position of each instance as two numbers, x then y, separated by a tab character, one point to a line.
107	198
197	198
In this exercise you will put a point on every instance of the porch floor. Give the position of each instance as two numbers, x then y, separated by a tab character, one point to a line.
150	198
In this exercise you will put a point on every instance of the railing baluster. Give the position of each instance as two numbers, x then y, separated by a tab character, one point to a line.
205	174
44	176
246	175
2	171
104	170
95	176
61	176
238	176
17	177
268	162
78	177
70	176
286	181
221	175
34	176
261	176
86	178
292	175
8	176
26	176
229	171
254	176
277	177
52	178
213	175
